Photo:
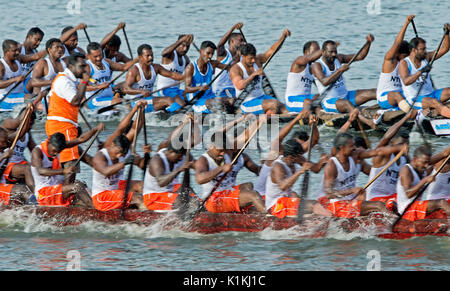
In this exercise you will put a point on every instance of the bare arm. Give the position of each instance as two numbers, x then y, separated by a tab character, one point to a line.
109	36
221	45
262	58
101	165
391	53
202	173
365	51
445	45
168	51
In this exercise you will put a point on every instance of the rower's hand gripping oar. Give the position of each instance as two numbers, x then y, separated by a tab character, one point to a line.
17	84
128	43
419	193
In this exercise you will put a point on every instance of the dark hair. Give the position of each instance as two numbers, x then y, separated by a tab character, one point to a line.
66	29
219	140
123	142
342	139
7	43
73	58
35	30
308	44
404	48
178	150
143	47
58	140
414	43
233	35
208	44
51	41
3	131
422	151
361	142
114	41
301	135
292	148
93	46
181	36
327	42
248	49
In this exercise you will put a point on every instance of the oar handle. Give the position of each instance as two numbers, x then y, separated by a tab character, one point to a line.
100	90
22	124
87	149
128	43
363	132
414	28
87	36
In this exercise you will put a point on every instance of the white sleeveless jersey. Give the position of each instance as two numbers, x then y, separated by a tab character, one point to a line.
45	181
207	187
255	88
101	76
9	74
174	66
151	184
389	82
386	184
260	184
410	91
143	83
299	83
402	200
224	80
66	52
339	89
27	66
231	177
19	149
273	192
440	188
344	180
102	183
51	72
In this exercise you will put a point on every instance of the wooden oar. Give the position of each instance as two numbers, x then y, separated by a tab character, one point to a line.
16	84
146	155
109	107
130	172
419	193
226	174
363	132
87	36
128	43
316	102
417	36
88	125
305	183
185	189
87	149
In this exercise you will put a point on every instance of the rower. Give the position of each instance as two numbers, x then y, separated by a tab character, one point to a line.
249	72
223	87
69	37
384	188
64	101
338	187
440	187
111	45
198	76
29	47
209	168
100	70
411	179
389	90
9	193
46	69
141	78
51	187
11	72
411	69
17	168
300	78
281	200
328	71
174	59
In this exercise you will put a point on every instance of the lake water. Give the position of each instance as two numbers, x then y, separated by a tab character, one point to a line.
28	243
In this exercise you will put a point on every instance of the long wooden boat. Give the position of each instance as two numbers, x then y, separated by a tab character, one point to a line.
208	223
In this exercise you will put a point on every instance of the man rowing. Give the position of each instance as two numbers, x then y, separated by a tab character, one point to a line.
389	90
328	72
9	193
440	187
300	78
384	187
223	87
281	200
411	70
174	59
69	37
248	73
100	70
338	187
198	76
209	169
51	187
141	78
29	47
412	177
64	101
108	183
111	45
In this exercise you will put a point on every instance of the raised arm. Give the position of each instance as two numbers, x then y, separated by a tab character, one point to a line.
168	51
445	45
365	51
391	53
221	45
109	36
262	58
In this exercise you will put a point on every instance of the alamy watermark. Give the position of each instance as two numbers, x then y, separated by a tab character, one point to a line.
374	7
73	7
74	261
375	261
